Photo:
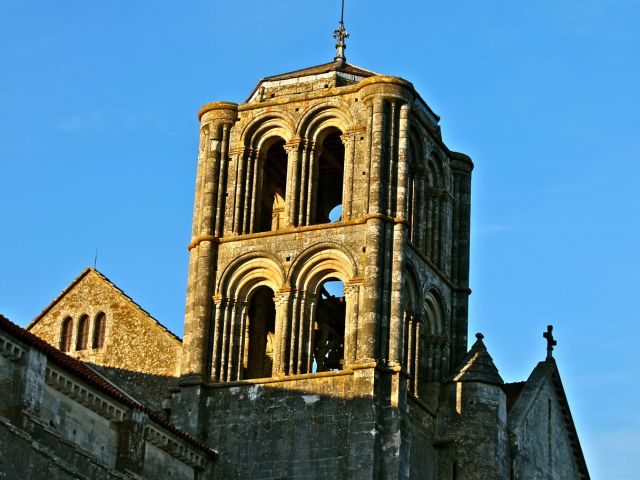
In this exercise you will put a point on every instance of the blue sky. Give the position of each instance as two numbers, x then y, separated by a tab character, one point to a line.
98	141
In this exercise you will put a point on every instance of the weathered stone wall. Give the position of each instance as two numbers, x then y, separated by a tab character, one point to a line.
543	443
46	457
319	427
60	420
472	426
134	341
418	435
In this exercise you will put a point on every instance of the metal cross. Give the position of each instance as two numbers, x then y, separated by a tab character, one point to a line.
340	34
551	342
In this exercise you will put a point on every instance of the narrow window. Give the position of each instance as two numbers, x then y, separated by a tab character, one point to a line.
99	326
66	334
329	179
328	334
274	189
260	335
83	332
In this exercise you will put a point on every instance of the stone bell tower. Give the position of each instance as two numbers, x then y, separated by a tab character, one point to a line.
328	276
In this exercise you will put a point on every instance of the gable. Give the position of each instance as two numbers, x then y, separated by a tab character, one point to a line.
544	436
133	340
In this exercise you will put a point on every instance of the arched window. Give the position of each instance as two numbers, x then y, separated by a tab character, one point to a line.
329	178
273	189
259	335
83	332
437	200
437	343
66	334
329	327
413	349
99	327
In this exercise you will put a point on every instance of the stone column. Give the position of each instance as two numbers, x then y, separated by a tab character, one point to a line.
222	181
240	192
226	335
220	307
303	332
303	186
348	140
312	305
351	295
367	346
282	302
294	150
234	368
312	184
399	240
249	192
297	329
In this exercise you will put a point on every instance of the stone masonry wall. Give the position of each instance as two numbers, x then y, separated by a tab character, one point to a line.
543	442
134	341
305	428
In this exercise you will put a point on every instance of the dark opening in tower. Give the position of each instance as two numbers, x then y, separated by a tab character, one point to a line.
259	335
330	176
328	335
273	189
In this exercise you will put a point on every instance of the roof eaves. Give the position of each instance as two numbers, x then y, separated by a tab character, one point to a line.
96	380
59	297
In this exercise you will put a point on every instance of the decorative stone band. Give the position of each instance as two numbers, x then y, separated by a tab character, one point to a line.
80	394
174	447
197	240
10	350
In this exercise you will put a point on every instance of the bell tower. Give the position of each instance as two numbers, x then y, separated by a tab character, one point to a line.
328	269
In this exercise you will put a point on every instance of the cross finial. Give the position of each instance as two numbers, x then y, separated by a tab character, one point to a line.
551	342
340	34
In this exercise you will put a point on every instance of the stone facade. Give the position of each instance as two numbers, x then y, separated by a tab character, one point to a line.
132	349
59	419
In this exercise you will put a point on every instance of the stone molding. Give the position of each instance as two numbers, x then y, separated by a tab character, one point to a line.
10	350
74	390
174	447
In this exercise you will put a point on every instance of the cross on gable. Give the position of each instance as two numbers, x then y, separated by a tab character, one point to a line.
551	342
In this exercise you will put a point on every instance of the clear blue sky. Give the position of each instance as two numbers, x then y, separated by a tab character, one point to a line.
98	141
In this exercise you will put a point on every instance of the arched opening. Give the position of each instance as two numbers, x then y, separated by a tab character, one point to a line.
329	327
65	334
99	327
329	177
83	332
273	189
437	343
259	335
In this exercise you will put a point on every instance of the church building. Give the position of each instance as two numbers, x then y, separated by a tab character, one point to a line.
326	324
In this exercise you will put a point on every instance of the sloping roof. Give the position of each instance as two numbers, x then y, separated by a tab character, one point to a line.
324	68
477	366
547	371
512	391
317	70
83	372
76	281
